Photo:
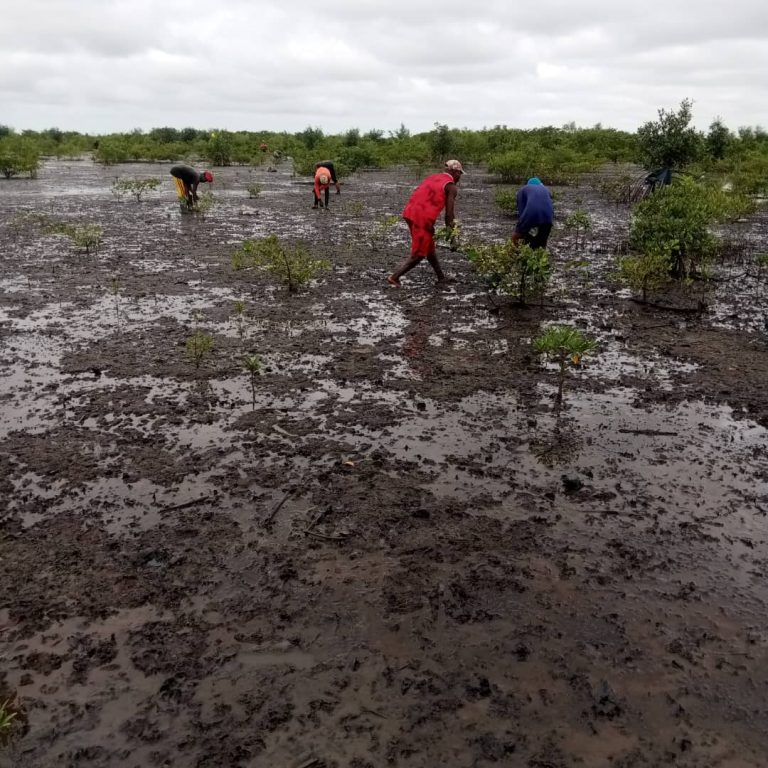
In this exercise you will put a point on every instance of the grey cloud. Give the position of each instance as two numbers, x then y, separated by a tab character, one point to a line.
113	64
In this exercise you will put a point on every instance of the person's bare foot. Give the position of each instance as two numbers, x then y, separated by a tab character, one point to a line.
394	282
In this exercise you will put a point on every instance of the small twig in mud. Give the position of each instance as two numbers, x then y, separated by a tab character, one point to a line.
316	519
369	711
313	762
271	516
326	537
652	432
185	504
669	307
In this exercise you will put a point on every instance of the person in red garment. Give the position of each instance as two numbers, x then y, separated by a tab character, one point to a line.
427	201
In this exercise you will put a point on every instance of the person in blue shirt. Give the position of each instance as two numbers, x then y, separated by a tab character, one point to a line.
535	214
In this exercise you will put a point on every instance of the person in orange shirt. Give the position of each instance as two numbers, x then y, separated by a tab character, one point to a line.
424	206
323	179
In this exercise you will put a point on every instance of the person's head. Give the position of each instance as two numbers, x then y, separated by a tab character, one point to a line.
206	176
455	168
535	181
324	179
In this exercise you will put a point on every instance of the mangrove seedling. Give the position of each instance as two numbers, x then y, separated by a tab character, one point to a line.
581	223
506	199
379	232
450	236
355	208
136	187
205	204
254	190
7	715
292	265
239	312
252	364
512	269
565	345
199	344
645	272
84	237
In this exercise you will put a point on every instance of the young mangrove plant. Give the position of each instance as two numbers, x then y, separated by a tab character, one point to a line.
8	715
290	264
205	204
513	269
355	208
378	234
136	187
201	208
565	345
84	237
238	310
254	190
252	364
450	236
580	223
506	199
199	344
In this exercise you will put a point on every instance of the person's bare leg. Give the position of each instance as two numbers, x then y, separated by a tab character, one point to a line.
405	267
435	264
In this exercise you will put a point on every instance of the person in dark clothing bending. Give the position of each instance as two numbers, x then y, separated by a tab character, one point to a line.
187	180
535	214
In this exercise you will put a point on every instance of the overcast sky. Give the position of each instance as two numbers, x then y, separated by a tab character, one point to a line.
115	65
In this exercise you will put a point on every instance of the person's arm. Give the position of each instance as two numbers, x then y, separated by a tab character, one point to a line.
451	190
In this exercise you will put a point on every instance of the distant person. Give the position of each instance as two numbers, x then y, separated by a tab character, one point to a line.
424	206
332	168
536	214
187	180
325	175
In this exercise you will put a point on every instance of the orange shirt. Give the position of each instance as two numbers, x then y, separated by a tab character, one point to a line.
321	171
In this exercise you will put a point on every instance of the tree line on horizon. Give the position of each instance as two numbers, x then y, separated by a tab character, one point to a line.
558	154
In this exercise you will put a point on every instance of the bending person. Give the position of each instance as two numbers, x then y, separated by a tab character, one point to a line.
332	168
187	181
323	180
424	206
535	214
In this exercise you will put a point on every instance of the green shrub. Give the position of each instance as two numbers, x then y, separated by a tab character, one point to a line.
292	265
581	223
506	199
558	165
513	269
645	272
379	232
670	141
135	187
564	344
18	155
84	237
198	345
674	224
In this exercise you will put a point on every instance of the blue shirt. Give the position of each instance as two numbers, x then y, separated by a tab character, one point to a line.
534	207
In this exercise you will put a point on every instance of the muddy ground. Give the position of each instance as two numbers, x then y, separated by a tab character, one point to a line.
395	553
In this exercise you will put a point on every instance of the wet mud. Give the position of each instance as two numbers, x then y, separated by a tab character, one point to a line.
392	550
